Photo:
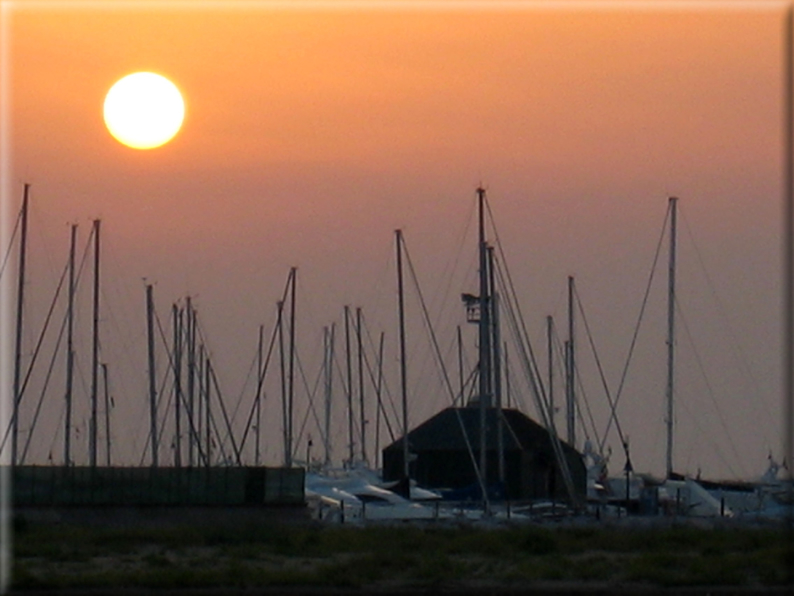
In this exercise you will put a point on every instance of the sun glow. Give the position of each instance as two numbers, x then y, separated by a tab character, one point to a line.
144	110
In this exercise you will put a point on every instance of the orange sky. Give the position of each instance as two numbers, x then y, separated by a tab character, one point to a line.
310	135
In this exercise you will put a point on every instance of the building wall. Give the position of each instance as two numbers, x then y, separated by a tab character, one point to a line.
122	486
528	475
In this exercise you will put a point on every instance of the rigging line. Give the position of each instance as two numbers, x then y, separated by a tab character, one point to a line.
229	433
311	409
220	442
518	396
248	425
506	280
481	481
248	376
511	303
36	351
560	354
442	299
57	433
736	346
470	383
612	404
161	430
11	243
260	382
426	319
44	390
217	441
125	338
380	278
613	415
37	218
714	444
532	371
384	384
578	409
160	392
578	412
184	398
710	390
51	309
169	393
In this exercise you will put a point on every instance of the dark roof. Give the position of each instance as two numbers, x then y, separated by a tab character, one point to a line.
445	431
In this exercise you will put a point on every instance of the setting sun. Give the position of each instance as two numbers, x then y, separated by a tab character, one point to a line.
144	110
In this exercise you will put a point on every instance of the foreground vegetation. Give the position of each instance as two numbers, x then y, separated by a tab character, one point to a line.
398	556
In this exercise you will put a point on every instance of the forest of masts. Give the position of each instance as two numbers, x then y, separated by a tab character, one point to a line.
200	431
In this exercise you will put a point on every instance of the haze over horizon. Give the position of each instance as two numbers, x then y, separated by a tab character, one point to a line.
311	135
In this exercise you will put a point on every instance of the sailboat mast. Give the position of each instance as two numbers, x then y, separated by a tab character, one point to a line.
176	313
95	351
379	400
570	387
259	380
328	336
190	339
461	382
671	334
284	423
18	342
67	437
291	402
107	412
403	380
207	411
351	453
496	340
484	333
152	382
507	377
550	357
363	419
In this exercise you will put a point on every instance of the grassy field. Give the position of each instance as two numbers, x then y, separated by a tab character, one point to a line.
59	556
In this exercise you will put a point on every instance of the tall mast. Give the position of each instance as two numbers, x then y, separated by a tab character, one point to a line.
176	313
95	351
570	387
671	334
363	419
379	400
403	381
284	417
507	377
550	358
484	332
461	382
18	342
291	402
107	413
191	371
350	443
67	436
152	382
328	337
200	402
496	365
259	380
207	410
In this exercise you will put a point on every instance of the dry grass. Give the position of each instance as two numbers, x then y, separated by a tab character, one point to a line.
63	556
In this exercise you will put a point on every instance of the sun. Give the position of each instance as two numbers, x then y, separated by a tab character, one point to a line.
144	110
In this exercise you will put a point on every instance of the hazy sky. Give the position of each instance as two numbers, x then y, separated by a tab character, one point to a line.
311	134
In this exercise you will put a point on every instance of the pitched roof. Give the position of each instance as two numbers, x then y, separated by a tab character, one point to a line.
449	429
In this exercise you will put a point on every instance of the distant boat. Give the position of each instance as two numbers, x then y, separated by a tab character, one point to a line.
352	496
